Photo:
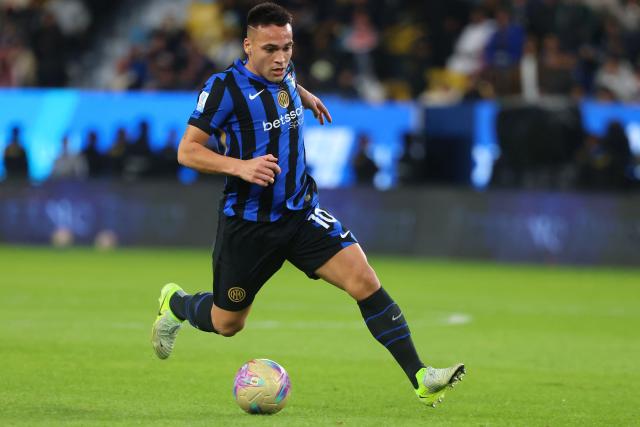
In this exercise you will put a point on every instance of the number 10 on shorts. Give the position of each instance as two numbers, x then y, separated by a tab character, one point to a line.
322	218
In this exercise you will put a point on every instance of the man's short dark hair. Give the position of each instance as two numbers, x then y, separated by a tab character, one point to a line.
268	14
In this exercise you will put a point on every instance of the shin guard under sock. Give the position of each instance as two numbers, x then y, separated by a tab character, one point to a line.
387	325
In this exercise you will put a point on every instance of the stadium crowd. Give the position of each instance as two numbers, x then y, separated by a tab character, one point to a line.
41	41
373	49
434	51
129	157
437	52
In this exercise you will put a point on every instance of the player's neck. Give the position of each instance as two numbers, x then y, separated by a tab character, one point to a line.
253	70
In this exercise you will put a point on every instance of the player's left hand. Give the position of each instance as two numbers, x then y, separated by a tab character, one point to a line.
313	103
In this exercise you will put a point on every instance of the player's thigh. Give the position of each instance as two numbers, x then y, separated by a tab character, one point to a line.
245	257
324	248
349	270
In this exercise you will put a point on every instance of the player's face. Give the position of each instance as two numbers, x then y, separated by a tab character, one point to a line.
269	50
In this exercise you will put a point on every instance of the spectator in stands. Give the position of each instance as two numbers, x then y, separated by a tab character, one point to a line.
605	163
15	158
17	61
193	67
468	54
617	77
69	165
589	160
364	167
555	67
72	16
574	24
503	54
326	61
628	14
529	71
360	38
411	167
51	49
161	60
415	65
616	146
131	70
138	161
540	17
166	160
587	65
115	157
504	48
611	41
406	45
94	159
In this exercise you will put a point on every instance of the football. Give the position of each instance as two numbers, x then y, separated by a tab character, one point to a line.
261	386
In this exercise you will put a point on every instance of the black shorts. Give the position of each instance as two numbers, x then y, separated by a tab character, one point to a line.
246	254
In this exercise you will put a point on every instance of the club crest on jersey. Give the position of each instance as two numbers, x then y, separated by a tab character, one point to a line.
283	99
236	294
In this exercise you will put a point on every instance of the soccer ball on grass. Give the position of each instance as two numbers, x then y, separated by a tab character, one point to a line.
261	386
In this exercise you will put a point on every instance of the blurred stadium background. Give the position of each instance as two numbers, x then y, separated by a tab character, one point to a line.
437	106
485	130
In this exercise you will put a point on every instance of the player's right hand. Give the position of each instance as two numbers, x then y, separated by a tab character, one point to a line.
260	170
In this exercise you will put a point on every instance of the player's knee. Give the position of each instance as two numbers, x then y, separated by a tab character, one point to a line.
363	283
229	329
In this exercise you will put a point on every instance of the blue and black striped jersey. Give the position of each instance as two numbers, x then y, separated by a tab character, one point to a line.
258	117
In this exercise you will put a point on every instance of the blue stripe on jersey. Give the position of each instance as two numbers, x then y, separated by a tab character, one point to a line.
292	151
257	195
214	104
243	127
259	117
271	114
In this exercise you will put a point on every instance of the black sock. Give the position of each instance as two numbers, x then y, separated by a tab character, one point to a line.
387	325
176	304
194	308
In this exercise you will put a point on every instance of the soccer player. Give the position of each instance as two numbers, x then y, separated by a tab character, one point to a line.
270	210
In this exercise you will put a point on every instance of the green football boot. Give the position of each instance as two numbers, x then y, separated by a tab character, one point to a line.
433	382
167	325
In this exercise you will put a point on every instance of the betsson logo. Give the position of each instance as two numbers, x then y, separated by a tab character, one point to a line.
295	117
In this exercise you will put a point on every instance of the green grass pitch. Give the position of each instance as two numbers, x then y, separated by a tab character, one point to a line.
544	346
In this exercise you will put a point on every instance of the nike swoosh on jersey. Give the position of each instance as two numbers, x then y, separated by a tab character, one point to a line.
255	95
396	317
345	234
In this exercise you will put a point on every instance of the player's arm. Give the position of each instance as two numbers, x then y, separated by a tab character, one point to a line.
193	153
314	104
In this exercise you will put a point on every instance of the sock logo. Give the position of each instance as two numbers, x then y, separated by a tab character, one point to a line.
236	294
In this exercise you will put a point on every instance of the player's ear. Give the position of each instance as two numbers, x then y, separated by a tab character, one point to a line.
246	45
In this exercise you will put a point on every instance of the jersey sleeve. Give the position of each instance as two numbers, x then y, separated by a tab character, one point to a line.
214	106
